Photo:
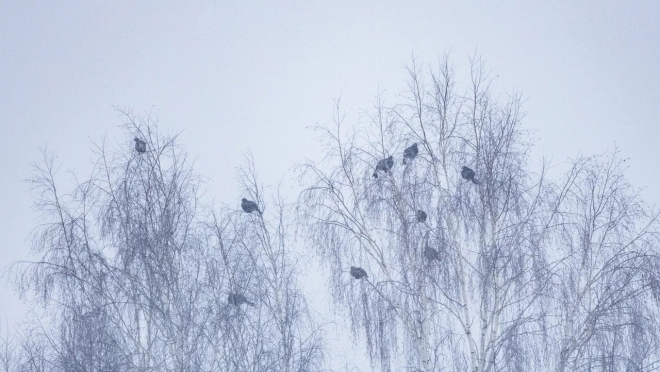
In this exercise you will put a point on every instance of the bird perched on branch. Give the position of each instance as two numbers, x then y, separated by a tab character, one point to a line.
249	206
431	254
238	299
384	165
140	145
469	174
410	152
358	272
421	216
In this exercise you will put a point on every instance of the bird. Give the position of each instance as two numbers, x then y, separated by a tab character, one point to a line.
468	174
358	272
384	165
249	206
410	152
421	216
431	254
140	145
238	299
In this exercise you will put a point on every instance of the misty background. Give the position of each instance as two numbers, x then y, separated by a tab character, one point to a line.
238	76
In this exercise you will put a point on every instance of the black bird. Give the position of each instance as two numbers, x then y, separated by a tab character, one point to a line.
249	206
238	299
358	272
140	145
410	152
431	254
384	165
468	174
421	216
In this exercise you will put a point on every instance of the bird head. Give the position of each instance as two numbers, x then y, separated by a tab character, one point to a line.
244	200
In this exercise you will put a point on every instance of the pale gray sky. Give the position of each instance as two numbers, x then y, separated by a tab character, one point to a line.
252	75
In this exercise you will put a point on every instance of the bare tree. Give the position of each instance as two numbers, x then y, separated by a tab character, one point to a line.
138	272
8	354
256	253
489	302
605	280
26	351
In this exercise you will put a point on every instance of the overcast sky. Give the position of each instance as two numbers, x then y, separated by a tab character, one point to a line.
251	75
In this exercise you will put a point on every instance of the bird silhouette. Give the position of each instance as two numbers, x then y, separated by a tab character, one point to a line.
140	145
469	174
410	152
421	216
358	272
384	165
431	254
238	299
249	206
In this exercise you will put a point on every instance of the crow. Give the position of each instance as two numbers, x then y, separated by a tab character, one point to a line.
249	206
358	272
468	174
421	216
384	165
238	299
410	152
140	145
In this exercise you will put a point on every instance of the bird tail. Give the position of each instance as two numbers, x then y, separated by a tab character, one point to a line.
474	180
250	303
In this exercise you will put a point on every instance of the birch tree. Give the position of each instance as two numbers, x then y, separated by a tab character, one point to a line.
487	300
139	273
605	281
257	255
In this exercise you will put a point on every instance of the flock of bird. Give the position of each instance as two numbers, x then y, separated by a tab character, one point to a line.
384	165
